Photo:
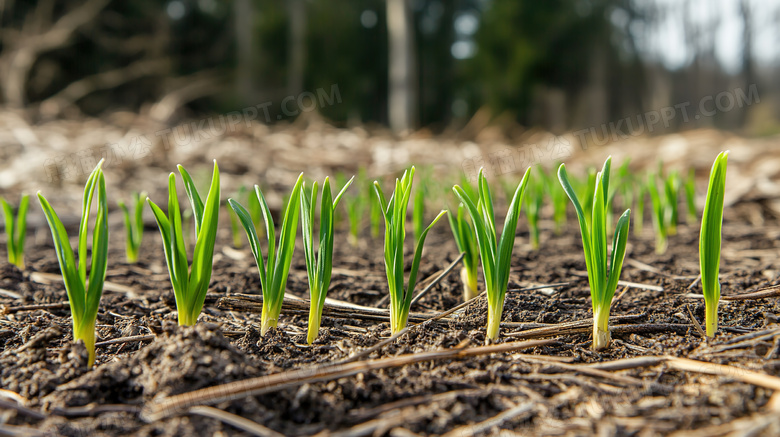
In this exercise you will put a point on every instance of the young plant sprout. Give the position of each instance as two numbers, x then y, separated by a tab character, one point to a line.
559	201
355	206
709	242
672	191
690	195
639	219
319	265
418	204
464	238
83	292
274	271
533	206
602	278
590	187
496	254
366	190
190	283
626	185
468	187
134	225
235	228
374	213
255	212
16	230
394	213
658	204
186	221
418	211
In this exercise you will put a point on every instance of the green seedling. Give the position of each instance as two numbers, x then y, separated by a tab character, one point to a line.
496	254
134	225
467	244
559	201
418	212
375	214
589	188
394	214
255	212
418	204
190	282
639	219
626	184
83	292
602	277
690	195
275	270
672	191
658	203
354	206
235	227
467	186
533	207
319	263
710	241
16	230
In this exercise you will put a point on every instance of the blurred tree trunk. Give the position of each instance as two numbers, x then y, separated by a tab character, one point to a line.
245	89
748	73
297	46
402	84
39	34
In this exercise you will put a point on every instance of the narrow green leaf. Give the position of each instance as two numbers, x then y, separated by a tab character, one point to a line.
83	297
8	214
602	276
307	229
21	228
195	200
97	271
86	207
178	250
584	224
203	254
416	261
507	242
483	242
254	241
270	232
165	234
619	241
70	275
710	239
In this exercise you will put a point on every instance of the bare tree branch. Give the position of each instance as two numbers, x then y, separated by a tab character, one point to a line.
185	90
101	81
23	50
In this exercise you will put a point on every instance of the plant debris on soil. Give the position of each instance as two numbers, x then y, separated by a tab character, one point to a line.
557	386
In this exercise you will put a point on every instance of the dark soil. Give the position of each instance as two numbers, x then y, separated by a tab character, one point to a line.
40	363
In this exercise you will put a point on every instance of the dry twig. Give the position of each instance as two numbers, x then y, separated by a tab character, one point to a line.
271	383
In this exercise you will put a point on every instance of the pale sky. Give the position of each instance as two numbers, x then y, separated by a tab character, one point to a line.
667	41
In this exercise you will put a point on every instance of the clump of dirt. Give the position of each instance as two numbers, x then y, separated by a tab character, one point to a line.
179	360
10	277
29	372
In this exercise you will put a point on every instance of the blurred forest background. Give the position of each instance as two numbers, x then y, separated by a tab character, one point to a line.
557	64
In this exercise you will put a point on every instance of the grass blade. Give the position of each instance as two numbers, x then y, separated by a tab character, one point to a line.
83	297
710	241
602	277
203	254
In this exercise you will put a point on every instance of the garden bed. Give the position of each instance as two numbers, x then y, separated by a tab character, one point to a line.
542	378
546	389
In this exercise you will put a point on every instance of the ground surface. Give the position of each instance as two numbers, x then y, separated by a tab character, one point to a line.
548	389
